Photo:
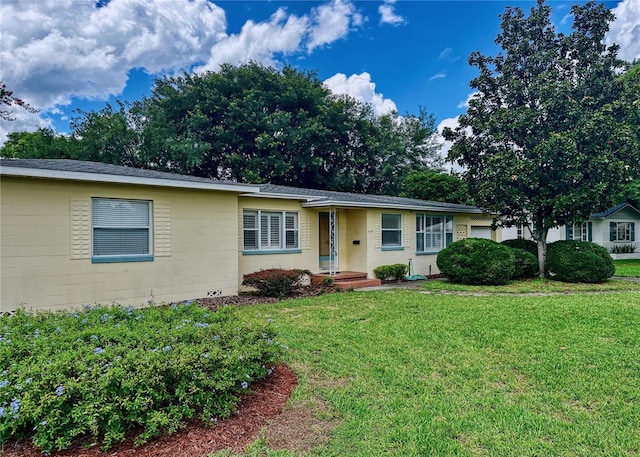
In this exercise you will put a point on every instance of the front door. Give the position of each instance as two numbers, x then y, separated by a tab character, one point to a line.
328	239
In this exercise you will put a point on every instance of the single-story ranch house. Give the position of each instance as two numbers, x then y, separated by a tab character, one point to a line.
616	229
75	233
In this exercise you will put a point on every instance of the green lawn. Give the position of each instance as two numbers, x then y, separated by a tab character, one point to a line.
410	373
627	268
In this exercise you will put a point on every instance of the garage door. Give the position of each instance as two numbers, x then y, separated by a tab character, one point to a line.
478	231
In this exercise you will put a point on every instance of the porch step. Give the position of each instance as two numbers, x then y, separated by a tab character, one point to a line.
346	279
357	283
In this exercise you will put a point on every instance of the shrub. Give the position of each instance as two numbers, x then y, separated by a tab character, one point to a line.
623	249
476	261
275	282
395	272
97	374
521	243
525	264
578	261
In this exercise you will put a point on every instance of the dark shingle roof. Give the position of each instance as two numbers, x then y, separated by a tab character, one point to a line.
88	169
320	197
613	210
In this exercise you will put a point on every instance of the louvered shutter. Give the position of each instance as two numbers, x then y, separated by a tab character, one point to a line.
612	231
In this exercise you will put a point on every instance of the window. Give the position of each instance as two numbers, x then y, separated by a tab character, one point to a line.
579	232
270	230
622	231
519	233
391	230
433	233
121	230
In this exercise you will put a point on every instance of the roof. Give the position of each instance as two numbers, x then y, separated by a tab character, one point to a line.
79	170
314	198
311	198
611	211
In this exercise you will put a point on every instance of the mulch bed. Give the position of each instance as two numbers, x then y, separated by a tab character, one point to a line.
266	401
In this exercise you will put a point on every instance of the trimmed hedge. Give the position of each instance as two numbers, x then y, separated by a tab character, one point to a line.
275	282
396	272
477	261
520	243
525	264
578	261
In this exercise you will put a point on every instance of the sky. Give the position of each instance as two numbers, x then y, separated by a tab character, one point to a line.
65	55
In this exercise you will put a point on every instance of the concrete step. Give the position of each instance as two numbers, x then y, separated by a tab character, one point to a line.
338	277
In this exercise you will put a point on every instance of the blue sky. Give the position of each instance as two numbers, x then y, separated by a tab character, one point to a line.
63	55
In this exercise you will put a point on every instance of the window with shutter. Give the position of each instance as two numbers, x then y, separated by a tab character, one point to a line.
121	230
433	233
270	231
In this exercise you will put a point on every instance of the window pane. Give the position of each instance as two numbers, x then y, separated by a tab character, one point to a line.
292	239
391	238
391	221
291	221
250	219
250	239
120	213
420	242
120	241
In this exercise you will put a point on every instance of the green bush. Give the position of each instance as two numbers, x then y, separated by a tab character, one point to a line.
521	243
476	261
525	264
578	261
275	282
97	374
395	272
623	249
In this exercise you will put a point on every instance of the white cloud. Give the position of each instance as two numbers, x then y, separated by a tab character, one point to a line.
331	22
60	49
625	29
259	41
440	75
465	104
388	14
361	88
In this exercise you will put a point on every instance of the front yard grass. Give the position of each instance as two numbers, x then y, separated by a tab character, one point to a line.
533	286
410	373
629	267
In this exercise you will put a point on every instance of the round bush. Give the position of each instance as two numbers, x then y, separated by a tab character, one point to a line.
476	261
520	243
525	264
578	261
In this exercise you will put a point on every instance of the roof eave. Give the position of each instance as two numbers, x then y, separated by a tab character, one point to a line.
349	204
122	179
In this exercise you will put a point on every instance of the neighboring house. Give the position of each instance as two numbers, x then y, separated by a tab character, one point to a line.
613	229
76	233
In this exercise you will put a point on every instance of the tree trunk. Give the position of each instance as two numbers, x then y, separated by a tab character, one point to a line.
541	240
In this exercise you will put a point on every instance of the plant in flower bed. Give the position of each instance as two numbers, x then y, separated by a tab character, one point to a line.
275	282
97	374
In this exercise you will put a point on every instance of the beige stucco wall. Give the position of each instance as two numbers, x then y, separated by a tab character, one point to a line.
46	246
307	258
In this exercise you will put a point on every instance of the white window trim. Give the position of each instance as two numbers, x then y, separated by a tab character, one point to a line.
444	219
132	257
399	230
628	236
282	248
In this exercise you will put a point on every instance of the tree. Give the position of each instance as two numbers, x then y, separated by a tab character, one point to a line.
7	98
436	186
255	124
44	143
546	140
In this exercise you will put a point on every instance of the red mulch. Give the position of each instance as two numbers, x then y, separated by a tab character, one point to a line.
266	401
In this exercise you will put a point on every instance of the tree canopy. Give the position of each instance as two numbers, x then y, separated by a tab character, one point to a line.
255	124
548	137
8	99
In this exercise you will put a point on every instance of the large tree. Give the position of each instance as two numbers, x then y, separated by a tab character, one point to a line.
546	139
255	124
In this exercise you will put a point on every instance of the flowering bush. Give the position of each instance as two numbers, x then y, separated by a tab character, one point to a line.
99	373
